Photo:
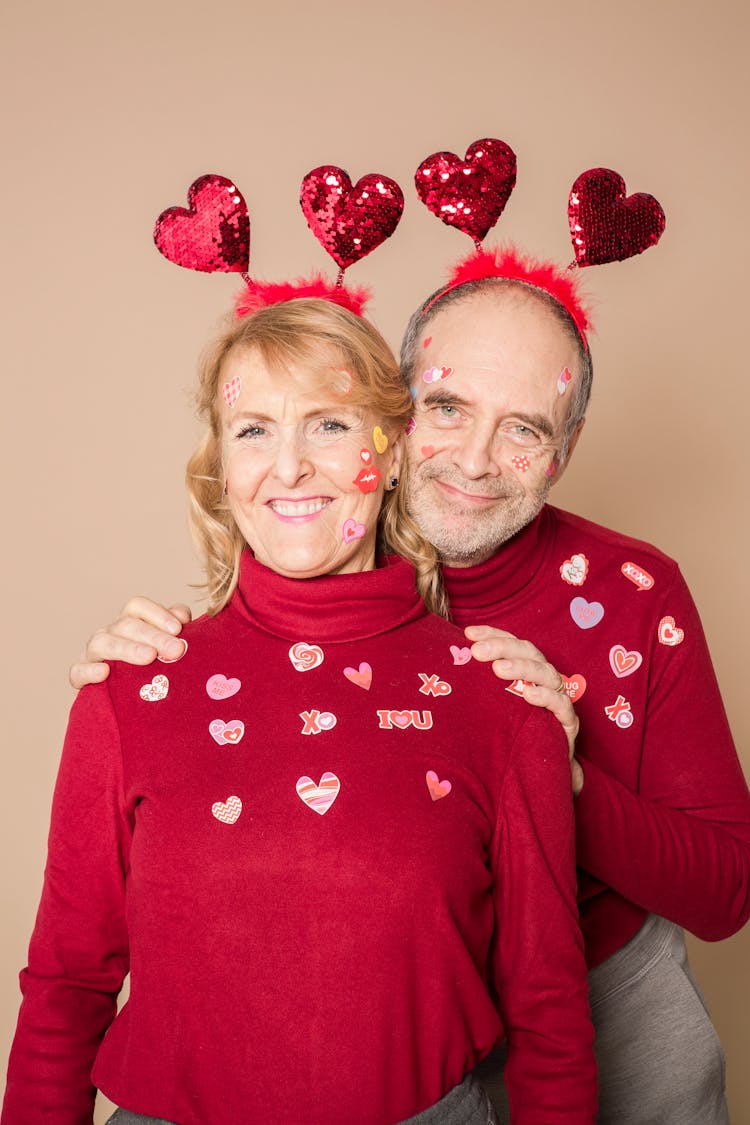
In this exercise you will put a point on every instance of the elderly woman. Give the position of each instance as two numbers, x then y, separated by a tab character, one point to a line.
336	865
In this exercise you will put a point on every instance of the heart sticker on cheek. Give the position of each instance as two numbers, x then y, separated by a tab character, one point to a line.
380	440
231	390
428	451
427	341
520	463
365	455
411	426
352	530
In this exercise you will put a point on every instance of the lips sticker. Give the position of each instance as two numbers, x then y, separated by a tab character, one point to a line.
156	690
352	530
622	662
304	657
367	480
586	614
226	734
574	570
669	633
319	797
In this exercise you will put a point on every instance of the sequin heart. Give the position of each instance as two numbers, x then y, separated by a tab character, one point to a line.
460	655
469	194
304	657
622	662
231	390
156	690
212	234
437	787
227	811
319	797
226	734
361	676
669	633
352	530
349	221
586	614
219	687
606	225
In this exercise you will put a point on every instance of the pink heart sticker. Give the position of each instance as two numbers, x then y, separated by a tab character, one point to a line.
460	655
319	797
362	676
437	788
226	734
622	662
401	718
156	690
219	687
352	530
669	633
304	656
231	390
227	811
586	614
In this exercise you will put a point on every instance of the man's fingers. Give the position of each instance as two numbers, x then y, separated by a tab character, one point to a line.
87	673
534	671
482	632
152	613
181	612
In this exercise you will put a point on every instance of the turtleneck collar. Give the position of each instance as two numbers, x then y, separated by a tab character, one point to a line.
337	607
505	574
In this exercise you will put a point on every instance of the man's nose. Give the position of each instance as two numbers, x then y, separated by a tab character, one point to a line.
475	453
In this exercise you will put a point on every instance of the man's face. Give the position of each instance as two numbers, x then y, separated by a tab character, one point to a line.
488	436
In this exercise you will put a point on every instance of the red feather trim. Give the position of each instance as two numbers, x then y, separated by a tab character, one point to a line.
259	294
508	262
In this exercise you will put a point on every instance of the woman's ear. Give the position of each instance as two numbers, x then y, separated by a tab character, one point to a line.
395	455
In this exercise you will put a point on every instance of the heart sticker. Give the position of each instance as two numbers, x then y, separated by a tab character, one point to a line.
219	687
411	426
231	390
401	718
469	194
352	530
520	463
365	455
437	374
319	797
574	570
436	787
226	734
156	690
606	225
212	234
428	451
622	662
586	614
575	686
562	381
227	811
347	221
380	440
460	655
427	341
669	633
304	657
361	676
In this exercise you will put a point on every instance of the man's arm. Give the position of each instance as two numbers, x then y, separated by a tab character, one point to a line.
143	631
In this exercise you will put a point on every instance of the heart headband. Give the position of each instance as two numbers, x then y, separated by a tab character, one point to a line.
212	233
606	224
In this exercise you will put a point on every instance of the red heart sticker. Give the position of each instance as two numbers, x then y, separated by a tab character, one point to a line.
212	234
347	221
575	686
606	225
469	194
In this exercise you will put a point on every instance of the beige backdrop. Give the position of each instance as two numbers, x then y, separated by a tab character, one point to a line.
113	109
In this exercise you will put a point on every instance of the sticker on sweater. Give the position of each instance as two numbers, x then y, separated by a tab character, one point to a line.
563	380
669	632
219	687
367	479
226	734
315	722
437	788
227	811
174	659
574	570
304	657
520	463
379	440
622	662
433	685
574	685
637	575
156	690
352	529
436	374
361	676
586	614
421	720
460	655
231	390
619	713
319	797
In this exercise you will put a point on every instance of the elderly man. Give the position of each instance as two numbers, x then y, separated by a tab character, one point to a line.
501	377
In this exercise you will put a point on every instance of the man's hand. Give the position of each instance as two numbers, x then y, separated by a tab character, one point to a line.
513	659
143	631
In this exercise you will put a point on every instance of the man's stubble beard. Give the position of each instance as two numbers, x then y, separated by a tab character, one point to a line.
469	536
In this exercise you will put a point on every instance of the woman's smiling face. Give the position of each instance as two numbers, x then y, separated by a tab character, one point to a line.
304	475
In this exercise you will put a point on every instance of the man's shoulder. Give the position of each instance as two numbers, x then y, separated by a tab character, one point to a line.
579	534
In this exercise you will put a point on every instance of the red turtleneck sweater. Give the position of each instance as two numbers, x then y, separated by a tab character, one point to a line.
663	821
337	861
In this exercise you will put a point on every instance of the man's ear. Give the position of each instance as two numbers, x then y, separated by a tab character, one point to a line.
571	446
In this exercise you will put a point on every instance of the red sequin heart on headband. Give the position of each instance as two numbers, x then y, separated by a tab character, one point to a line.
471	193
606	225
212	233
349	221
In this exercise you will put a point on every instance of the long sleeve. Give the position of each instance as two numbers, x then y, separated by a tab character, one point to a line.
680	845
78	955
539	964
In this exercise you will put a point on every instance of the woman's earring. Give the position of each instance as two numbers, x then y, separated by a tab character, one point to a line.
394	482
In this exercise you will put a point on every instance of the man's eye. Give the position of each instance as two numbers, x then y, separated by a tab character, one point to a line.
448	411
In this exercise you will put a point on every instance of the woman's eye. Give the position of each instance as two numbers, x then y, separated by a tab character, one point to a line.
251	432
333	426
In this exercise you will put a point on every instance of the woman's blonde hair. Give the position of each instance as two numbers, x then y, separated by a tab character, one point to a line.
325	338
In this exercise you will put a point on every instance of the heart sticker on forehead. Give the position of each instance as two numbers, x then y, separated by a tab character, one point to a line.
437	374
231	390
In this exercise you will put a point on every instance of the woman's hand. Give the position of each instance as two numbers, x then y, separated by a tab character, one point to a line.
143	631
543	686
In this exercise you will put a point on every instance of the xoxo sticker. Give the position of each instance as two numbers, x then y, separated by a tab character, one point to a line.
639	577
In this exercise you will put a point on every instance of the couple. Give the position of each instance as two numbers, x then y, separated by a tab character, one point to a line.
662	817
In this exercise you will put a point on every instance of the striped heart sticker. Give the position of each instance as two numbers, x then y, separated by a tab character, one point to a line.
227	811
319	797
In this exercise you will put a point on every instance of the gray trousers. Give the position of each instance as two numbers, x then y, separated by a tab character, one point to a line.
466	1104
659	1059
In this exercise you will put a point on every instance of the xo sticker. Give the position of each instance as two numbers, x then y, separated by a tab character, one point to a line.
619	713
